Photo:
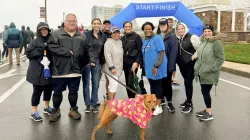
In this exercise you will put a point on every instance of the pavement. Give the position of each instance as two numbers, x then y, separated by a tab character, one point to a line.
231	110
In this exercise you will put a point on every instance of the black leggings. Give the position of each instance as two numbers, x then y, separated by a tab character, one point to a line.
156	88
5	51
167	87
37	92
187	72
128	76
205	90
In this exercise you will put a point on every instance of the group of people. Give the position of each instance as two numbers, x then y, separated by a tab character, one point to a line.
103	51
14	39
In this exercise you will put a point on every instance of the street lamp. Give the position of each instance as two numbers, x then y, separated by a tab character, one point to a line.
46	11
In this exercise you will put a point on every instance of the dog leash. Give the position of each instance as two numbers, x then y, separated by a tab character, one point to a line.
112	78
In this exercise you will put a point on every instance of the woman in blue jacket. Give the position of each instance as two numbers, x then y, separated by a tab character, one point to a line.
171	51
155	62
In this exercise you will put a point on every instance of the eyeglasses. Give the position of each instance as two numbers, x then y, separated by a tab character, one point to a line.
71	21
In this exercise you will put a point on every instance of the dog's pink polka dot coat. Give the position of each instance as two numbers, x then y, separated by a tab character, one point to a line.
134	109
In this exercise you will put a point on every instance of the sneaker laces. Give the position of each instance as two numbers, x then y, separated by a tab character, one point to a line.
36	114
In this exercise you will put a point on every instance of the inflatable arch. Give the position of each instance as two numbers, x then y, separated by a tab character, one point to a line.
162	9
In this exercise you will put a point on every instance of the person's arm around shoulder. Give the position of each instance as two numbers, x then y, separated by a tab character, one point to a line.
195	40
54	47
34	50
219	54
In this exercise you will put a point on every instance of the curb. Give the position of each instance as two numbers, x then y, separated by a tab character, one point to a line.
236	72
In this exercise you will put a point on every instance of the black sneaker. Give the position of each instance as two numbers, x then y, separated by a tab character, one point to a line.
56	114
188	108
47	110
206	117
98	103
171	108
201	113
183	104
87	110
163	102
95	109
36	117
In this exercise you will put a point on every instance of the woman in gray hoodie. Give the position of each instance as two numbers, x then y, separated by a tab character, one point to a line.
113	52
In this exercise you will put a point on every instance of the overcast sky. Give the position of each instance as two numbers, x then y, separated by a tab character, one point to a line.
27	12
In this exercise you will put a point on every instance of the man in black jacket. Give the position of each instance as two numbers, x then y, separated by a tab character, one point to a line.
66	65
25	38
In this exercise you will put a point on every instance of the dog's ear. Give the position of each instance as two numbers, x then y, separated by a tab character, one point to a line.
145	96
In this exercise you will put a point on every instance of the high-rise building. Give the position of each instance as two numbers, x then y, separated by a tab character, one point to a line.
105	12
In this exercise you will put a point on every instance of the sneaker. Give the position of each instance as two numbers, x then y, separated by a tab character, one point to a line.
74	113
47	110
56	114
201	113
163	102
206	117
183	104
95	109
187	108
157	111
36	117
171	108
87	110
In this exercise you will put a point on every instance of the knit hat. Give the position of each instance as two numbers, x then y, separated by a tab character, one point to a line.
208	26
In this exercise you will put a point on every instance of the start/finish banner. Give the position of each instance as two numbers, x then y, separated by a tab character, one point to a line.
162	9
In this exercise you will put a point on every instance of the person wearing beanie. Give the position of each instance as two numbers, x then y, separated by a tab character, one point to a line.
187	46
171	52
35	73
210	57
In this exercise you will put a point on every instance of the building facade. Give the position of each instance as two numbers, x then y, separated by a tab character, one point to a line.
105	12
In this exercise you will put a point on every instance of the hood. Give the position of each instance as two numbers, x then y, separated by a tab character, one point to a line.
28	28
23	27
39	26
211	39
12	25
6	27
186	30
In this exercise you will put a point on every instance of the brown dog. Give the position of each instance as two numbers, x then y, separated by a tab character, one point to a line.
138	109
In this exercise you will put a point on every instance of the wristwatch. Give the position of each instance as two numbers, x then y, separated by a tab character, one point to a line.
155	66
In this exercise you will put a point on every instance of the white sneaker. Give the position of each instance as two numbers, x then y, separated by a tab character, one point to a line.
157	111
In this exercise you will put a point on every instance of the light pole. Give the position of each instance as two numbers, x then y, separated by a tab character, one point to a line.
45	10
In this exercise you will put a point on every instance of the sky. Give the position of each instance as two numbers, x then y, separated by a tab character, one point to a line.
27	12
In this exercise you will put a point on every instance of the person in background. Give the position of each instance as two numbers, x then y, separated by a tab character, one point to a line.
171	51
132	45
210	58
67	48
113	52
5	47
25	40
187	46
80	29
155	62
96	40
13	40
35	73
30	35
172	30
106	30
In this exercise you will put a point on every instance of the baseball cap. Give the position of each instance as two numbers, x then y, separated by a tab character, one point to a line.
163	21
106	21
115	29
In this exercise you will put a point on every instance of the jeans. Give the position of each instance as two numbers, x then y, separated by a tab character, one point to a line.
95	77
